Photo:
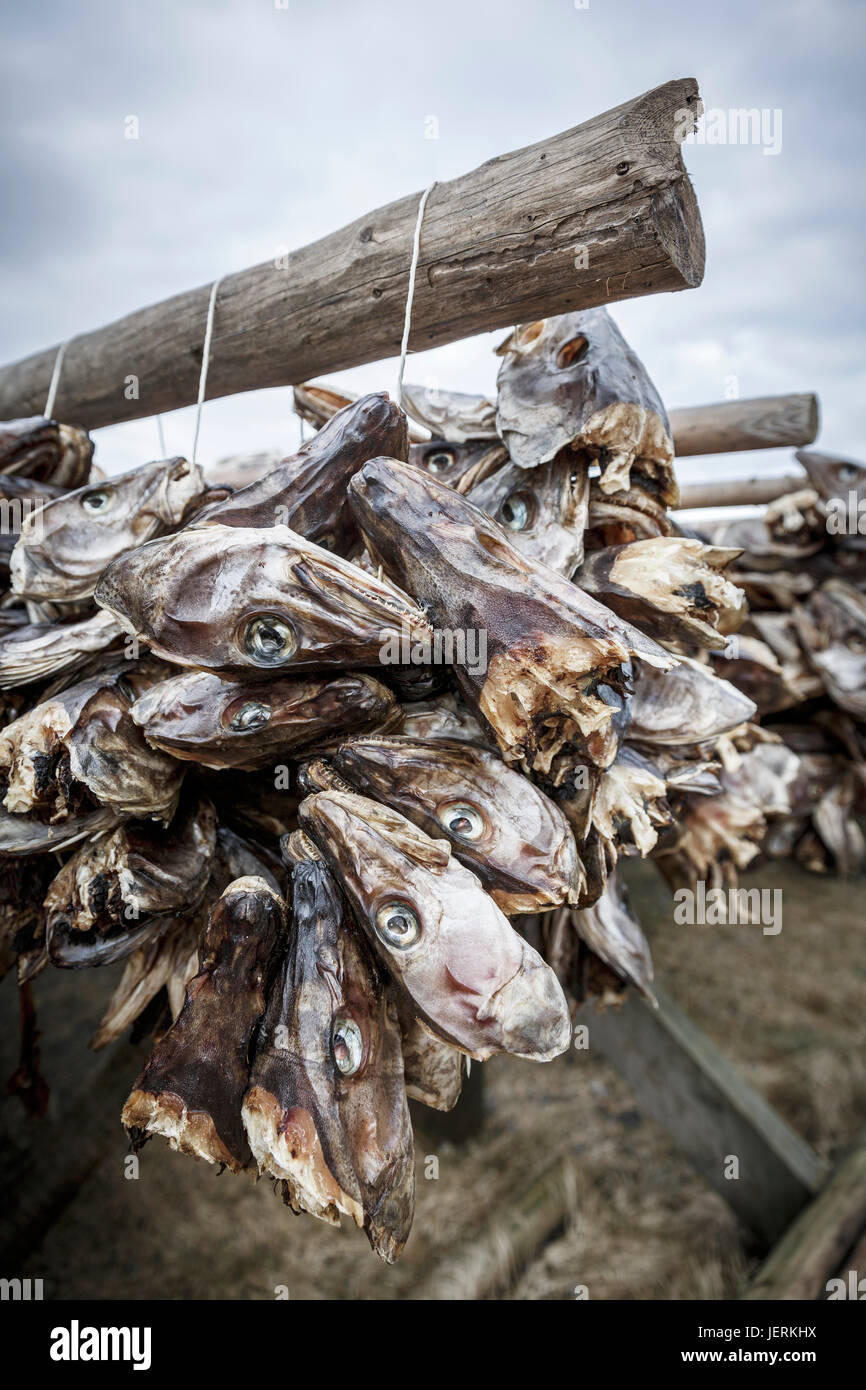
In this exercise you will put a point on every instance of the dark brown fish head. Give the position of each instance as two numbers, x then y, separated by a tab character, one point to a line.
461	466
470	977
64	547
326	1111
45	450
573	381
499	823
240	601
247	724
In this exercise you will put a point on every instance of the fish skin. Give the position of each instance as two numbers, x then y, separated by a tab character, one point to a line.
461	466
62	551
832	632
549	646
455	416
525	857
36	651
545	509
122	889
46	451
307	492
190	716
433	1070
190	596
612	931
469	976
193	1083
340	1142
833	475
573	381
685	706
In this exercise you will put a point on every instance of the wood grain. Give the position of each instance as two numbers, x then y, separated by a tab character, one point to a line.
762	422
600	213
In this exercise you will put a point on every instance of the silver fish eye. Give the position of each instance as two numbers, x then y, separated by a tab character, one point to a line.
462	820
347	1045
96	501
847	472
856	643
516	511
440	460
398	925
253	714
269	640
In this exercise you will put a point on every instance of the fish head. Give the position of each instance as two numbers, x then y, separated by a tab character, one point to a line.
500	825
240	600
460	465
833	476
452	415
545	509
443	940
64	546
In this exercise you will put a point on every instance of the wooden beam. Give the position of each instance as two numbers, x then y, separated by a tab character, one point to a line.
764	422
816	1245
600	213
710	1111
739	492
487	1263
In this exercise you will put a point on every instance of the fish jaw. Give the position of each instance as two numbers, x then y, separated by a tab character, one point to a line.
466	952
192	597
286	1146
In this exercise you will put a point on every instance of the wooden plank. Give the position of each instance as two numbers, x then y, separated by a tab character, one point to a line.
709	1110
762	422
823	1241
485	1264
740	492
600	213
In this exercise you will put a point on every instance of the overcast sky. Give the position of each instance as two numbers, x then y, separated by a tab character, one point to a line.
268	123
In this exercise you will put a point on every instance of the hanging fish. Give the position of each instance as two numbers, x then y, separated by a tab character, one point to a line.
573	381
307	492
326	1109
613	932
500	825
447	945
63	549
551	653
199	717
433	1070
123	889
193	1083
45	451
240	601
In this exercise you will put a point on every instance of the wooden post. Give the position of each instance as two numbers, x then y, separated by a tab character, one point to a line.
815	1247
740	492
602	212
764	422
709	1110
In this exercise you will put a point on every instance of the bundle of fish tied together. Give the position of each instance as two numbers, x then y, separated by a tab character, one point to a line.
340	763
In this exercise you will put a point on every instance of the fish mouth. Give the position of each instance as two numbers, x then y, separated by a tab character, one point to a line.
532	1013
286	1145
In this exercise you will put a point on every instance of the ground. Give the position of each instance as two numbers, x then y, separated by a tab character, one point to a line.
786	1009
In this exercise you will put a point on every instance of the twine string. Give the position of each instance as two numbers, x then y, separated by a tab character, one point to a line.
413	270
205	360
55	380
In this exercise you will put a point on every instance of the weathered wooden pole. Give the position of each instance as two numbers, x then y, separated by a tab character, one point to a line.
740	492
600	213
763	422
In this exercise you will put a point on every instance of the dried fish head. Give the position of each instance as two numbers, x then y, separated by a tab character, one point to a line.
672	586
63	549
326	1108
499	824
451	415
38	650
242	601
832	475
46	451
461	466
193	1083
613	932
200	717
685	706
433	1070
574	380
556	660
545	509
832	630
442	717
469	976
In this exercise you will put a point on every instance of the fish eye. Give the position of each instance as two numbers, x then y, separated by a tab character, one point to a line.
517	511
856	642
397	925
98	501
572	351
328	541
462	820
251	715
269	640
847	473
347	1045
439	460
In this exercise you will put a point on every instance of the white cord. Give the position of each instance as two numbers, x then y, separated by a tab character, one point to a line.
205	359
162	449
413	269
55	381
